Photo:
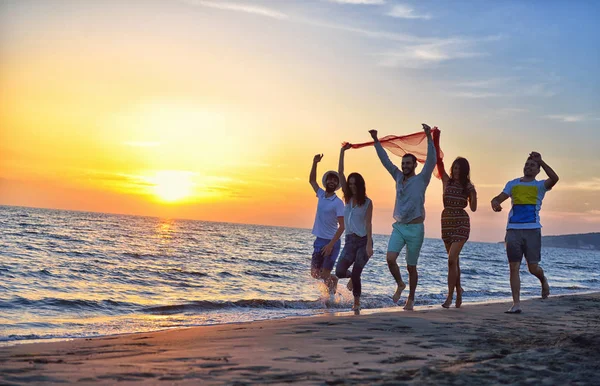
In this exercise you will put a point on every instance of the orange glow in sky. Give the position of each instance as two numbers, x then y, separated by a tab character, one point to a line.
215	110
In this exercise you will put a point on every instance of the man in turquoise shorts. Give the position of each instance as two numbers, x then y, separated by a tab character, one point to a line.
409	213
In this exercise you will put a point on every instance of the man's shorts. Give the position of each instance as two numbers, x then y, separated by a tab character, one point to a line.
324	262
526	242
412	236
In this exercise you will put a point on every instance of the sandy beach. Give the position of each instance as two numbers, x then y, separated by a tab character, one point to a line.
554	341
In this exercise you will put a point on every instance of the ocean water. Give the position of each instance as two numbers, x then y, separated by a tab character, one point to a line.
67	274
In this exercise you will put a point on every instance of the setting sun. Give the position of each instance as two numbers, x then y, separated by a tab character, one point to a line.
171	186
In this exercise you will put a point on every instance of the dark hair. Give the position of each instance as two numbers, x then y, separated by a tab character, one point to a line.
465	171
412	156
361	190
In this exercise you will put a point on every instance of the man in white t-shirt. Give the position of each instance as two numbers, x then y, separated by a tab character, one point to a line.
328	226
523	231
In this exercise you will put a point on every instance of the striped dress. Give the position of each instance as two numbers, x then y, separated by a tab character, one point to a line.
456	224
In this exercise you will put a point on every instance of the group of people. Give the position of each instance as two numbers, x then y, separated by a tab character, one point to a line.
354	217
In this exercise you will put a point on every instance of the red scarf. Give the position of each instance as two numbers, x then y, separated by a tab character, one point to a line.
412	143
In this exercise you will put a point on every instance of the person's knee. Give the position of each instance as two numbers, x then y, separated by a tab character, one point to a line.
412	269
391	258
533	268
514	267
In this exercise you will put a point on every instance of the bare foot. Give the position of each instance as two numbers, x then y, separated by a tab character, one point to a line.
398	293
545	288
333	282
459	294
447	303
356	307
350	286
409	305
515	309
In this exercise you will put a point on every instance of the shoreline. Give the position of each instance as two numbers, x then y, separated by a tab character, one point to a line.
324	312
337	312
553	341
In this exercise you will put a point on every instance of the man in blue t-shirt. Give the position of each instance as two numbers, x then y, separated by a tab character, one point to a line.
328	226
523	231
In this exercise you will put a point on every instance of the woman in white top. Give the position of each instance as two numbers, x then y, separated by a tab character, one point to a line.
358	246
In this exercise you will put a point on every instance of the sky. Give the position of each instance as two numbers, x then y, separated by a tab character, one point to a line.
213	110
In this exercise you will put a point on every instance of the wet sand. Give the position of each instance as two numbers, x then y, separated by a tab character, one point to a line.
554	341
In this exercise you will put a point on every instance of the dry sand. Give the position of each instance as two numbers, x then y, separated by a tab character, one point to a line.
553	342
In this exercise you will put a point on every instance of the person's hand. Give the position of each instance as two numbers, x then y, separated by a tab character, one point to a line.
346	146
535	156
326	250
369	251
373	133
317	158
496	207
426	128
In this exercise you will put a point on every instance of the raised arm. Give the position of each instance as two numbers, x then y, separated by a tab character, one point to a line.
431	159
341	168
384	158
552	176
442	169
312	179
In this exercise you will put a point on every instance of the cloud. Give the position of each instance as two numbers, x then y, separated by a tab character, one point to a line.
239	7
406	12
476	95
511	110
430	53
485	83
589	185
359	2
567	118
370	33
538	90
502	86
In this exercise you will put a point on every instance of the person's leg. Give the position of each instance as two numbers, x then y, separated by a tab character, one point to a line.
459	288
533	255
316	264
514	252
346	260
328	264
395	245
515	286
453	254
413	279
359	264
414	235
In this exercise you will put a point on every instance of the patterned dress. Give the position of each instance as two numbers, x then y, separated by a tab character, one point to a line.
456	224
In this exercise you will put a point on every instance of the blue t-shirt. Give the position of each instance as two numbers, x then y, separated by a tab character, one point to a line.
526	200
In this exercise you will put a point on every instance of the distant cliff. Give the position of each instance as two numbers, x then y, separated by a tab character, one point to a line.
590	241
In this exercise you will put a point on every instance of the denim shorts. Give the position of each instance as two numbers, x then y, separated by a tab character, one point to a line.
324	262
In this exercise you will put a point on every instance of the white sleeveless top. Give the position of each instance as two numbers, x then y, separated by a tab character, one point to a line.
354	218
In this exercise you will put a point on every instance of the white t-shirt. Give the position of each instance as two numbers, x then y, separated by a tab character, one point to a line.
326	219
354	218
